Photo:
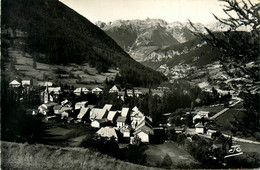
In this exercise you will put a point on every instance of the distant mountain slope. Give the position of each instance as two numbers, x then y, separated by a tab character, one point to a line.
195	53
139	37
64	36
142	39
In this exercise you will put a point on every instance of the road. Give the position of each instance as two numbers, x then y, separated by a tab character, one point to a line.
226	109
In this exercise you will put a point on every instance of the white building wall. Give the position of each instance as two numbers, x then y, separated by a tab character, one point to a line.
95	124
143	136
200	130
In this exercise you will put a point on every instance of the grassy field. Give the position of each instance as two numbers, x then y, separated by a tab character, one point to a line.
25	156
213	110
66	135
225	120
156	153
229	119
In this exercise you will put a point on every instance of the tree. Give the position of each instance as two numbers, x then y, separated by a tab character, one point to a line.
237	47
167	161
136	140
240	52
12	65
34	63
188	120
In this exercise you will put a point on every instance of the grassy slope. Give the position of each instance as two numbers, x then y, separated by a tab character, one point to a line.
156	153
24	156
205	53
65	37
26	71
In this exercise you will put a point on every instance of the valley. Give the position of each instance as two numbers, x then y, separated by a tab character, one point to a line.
128	93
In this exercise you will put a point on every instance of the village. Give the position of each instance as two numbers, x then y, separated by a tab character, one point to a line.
124	124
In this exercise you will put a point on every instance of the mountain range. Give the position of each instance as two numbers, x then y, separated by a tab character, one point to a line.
154	40
56	34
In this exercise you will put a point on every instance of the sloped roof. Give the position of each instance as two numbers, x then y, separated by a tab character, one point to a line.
97	113
79	89
108	107
82	112
121	119
54	89
136	113
63	109
124	112
107	132
111	115
57	107
91	106
144	122
199	125
15	82
50	104
114	88
125	128
81	103
135	109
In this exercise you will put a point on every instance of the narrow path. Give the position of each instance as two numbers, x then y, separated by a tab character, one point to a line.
224	110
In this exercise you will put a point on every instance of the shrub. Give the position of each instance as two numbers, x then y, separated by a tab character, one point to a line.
167	162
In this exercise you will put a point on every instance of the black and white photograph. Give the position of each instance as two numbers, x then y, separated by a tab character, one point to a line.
130	84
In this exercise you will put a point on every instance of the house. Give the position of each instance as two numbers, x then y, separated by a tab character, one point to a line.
126	131
210	132
51	94
98	114
83	114
135	117
66	109
125	112
64	115
157	92
199	128
108	132
97	91
108	107
200	115
46	108
45	84
112	116
95	124
57	109
26	83
66	103
144	129
54	90
79	105
99	123
132	92
78	91
14	83
114	89
70	120
46	96
120	121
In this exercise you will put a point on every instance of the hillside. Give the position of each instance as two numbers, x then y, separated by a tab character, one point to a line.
55	34
142	39
195	53
139	37
24	156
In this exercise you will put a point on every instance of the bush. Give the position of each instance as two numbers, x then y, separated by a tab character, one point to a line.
167	161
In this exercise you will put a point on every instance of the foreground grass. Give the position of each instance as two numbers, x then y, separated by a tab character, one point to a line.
25	156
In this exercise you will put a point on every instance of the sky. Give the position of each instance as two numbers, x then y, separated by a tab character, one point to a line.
168	10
